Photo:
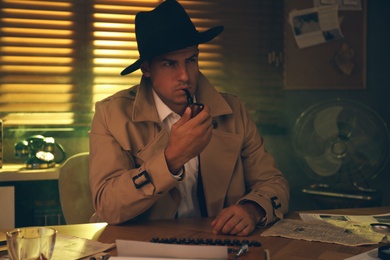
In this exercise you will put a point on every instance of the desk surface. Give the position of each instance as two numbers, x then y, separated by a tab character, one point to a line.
279	248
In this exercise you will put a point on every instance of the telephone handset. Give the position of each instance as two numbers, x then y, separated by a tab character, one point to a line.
39	151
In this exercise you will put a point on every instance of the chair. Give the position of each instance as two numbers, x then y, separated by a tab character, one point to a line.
74	190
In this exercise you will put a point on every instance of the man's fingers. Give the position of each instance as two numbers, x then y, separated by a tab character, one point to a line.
186	116
246	231
233	226
220	220
233	220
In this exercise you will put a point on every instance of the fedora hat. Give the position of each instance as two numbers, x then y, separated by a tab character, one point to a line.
165	29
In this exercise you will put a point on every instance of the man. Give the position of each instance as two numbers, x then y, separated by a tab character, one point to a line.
151	159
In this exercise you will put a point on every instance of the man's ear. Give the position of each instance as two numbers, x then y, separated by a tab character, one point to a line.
145	68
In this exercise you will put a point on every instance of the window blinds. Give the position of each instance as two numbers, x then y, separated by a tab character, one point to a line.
57	58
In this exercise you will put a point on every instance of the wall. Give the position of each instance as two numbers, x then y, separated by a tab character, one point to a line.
376	96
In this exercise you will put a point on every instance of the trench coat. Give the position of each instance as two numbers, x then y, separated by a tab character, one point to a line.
129	176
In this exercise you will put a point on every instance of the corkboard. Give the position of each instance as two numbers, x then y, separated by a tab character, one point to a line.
315	67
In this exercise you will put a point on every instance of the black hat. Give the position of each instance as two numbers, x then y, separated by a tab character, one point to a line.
164	29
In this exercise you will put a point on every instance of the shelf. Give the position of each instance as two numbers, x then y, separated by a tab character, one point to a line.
18	172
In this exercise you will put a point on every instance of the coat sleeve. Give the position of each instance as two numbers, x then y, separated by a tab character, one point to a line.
114	171
265	183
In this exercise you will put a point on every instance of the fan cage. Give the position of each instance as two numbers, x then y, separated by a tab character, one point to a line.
346	162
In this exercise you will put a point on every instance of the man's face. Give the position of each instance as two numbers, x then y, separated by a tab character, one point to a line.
171	73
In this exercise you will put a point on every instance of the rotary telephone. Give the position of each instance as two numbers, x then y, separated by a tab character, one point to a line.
39	152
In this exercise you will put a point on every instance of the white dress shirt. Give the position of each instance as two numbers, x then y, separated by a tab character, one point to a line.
189	206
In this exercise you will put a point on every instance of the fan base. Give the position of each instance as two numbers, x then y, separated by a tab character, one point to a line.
330	198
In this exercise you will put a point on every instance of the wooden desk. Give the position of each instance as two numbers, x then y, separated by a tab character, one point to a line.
279	248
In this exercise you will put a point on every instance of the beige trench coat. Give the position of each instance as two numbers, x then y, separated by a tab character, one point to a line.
128	139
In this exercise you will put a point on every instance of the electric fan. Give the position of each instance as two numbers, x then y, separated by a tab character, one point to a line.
342	145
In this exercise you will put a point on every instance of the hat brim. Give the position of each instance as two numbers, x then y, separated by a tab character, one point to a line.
201	38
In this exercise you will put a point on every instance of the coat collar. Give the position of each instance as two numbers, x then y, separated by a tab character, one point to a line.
145	109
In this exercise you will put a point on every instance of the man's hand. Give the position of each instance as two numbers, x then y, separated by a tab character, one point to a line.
239	220
189	136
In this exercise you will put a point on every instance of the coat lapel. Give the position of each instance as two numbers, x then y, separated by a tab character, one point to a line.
218	160
217	164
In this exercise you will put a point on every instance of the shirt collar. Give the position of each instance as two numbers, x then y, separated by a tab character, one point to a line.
162	109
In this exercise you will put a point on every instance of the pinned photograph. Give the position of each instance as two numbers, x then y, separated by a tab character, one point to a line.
315	25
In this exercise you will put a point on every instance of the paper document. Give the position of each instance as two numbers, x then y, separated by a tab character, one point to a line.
350	5
128	249
70	247
315	25
382	218
338	232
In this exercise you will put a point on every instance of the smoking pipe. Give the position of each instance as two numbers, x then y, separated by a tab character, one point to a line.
195	107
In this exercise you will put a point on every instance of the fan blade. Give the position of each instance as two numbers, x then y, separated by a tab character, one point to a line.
324	165
325	122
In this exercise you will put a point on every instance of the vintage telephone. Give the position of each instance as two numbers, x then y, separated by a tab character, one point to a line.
39	151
